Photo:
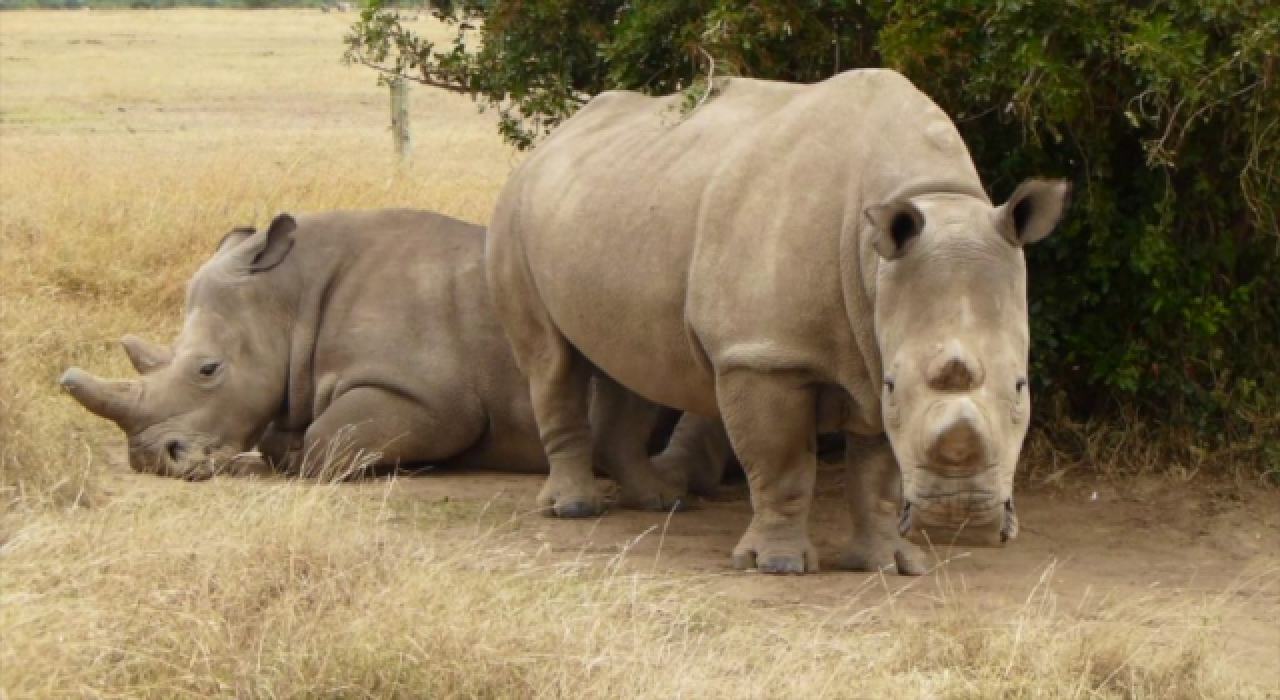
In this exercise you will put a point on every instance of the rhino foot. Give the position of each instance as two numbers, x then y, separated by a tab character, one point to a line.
577	509
570	500
776	553
248	464
907	558
653	493
653	502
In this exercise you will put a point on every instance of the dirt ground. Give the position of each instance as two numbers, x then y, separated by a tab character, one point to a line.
1138	538
1146	539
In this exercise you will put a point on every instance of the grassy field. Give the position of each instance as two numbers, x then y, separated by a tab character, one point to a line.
129	143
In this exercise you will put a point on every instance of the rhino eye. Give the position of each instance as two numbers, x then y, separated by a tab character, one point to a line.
209	368
1021	384
888	383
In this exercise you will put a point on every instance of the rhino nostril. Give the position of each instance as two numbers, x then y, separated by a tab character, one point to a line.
175	450
954	369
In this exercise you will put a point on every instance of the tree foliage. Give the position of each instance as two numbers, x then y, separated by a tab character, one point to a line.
1161	290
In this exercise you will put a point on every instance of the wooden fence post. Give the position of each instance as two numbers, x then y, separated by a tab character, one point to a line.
400	119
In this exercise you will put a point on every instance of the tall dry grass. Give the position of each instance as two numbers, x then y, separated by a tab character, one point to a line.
93	250
129	143
291	591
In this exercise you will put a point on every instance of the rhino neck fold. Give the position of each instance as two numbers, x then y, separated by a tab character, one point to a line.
858	261
297	409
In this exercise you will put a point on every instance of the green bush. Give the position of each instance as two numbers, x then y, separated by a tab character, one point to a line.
1161	293
1162	287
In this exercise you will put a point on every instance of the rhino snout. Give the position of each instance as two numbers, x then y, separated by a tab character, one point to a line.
955	438
964	519
175	455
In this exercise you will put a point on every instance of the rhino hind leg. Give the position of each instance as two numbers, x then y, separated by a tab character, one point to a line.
874	489
368	426
559	376
695	457
621	422
772	426
559	386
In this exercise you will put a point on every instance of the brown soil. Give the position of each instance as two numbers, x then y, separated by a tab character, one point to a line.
1137	538
1145	540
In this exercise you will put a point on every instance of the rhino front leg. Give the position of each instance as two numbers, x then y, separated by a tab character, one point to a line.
874	489
773	430
695	457
368	426
281	449
621	422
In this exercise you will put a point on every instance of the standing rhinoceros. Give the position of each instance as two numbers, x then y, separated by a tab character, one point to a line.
374	328
792	258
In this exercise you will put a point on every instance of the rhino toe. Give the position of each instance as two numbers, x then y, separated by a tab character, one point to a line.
783	565
877	556
910	561
658	500
775	555
577	509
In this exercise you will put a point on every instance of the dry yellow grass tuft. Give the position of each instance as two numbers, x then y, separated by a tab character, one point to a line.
285	590
129	143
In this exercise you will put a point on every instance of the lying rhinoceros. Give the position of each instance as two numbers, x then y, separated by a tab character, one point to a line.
792	258
368	329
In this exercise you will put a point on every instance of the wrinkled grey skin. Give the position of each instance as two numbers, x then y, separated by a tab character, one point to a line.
353	332
793	259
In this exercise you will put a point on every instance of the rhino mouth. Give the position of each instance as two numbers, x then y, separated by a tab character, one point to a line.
179	457
909	521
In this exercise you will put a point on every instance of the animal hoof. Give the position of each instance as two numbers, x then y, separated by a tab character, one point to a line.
783	565
860	561
743	561
910	563
578	509
566	498
775	557
657	503
905	557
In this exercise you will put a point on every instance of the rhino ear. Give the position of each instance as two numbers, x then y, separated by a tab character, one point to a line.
144	356
266	249
1033	211
234	238
897	224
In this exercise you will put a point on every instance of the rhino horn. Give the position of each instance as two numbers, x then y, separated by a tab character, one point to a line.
114	400
956	437
144	356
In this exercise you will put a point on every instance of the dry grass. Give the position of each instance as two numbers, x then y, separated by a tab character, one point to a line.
273	591
129	142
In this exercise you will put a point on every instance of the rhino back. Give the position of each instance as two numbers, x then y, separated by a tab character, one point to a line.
724	230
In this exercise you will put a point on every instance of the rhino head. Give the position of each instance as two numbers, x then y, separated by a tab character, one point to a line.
203	402
951	324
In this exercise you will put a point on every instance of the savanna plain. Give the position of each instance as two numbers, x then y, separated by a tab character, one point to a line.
131	141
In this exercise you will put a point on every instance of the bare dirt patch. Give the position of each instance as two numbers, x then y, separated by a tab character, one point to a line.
1137	539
